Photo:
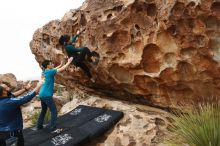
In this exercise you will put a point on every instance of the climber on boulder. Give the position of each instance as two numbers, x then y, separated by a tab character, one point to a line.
79	54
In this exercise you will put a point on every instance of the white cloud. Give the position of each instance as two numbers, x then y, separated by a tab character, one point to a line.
19	20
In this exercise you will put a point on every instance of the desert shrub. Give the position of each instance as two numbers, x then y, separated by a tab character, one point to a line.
198	127
35	116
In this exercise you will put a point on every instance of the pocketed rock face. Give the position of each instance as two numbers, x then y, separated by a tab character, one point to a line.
164	53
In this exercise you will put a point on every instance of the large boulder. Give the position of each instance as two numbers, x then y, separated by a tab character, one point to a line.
10	79
163	53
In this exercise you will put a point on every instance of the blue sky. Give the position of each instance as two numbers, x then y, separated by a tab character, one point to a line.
19	20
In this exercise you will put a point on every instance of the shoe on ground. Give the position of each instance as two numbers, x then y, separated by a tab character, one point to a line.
38	128
53	128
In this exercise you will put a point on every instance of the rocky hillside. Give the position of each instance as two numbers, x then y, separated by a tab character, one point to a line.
163	53
141	125
11	80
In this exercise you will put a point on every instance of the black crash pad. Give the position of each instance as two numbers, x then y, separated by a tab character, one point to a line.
102	123
71	137
78	126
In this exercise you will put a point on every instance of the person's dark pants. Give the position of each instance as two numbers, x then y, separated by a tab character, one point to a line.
79	61
6	135
85	52
47	102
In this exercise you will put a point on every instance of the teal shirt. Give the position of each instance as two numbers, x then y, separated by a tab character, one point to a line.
71	49
47	87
